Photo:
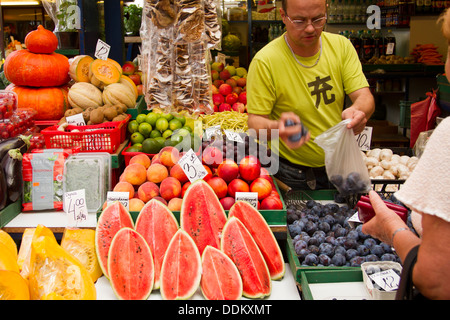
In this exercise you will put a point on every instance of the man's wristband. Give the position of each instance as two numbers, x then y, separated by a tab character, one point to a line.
397	231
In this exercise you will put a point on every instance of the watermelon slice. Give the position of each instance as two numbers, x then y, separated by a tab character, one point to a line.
181	269
263	236
157	224
239	245
112	219
130	265
220	277
202	215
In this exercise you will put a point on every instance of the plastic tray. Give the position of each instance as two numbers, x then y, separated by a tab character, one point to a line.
105	137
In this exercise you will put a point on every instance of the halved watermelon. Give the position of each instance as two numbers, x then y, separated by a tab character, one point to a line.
157	224
130	264
220	277
239	245
263	236
202	215
111	220
181	269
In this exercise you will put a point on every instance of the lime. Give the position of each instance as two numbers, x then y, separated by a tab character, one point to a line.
155	134
133	126
166	134
176	137
151	146
134	149
161	141
136	137
187	128
175	124
167	116
183	132
181	118
141	117
145	128
151	118
162	124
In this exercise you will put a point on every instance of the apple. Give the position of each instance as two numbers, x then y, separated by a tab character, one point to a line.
237	89
214	74
241	72
218	82
271	203
128	68
228	170
140	89
241	82
225	89
262	187
224	75
237	185
218	99
217	66
227	202
224	107
219	186
231	70
135	78
243	97
231	82
231	98
214	89
238	107
249	168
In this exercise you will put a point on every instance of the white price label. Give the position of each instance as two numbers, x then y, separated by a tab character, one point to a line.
75	207
388	280
122	197
234	136
102	50
390	48
364	139
250	197
192	166
212	131
76	120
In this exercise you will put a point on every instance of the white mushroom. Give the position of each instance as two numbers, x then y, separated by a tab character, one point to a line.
386	154
374	153
370	162
388	175
376	171
385	164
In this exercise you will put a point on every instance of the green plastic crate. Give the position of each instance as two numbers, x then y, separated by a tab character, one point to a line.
405	114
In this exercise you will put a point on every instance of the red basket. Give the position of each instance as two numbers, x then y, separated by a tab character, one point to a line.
127	155
104	137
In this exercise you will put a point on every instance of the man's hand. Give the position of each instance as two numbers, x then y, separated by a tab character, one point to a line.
358	119
286	131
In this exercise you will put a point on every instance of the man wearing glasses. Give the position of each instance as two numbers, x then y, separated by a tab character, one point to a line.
305	75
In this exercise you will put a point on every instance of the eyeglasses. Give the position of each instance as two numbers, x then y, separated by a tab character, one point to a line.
302	24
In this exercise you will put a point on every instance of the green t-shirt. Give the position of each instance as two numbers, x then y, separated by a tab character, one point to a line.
276	83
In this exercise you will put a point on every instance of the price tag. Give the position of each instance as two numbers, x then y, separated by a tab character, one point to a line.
388	280
250	197
390	48
123	197
74	206
364	139
234	136
212	131
192	166
76	120
102	50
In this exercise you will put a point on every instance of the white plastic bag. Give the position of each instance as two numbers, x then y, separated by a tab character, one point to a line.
343	160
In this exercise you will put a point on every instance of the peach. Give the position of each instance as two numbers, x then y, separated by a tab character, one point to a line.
156	159
212	156
141	158
262	187
169	156
157	172
209	175
227	202
147	191
135	204
170	188
219	186
124	186
177	172
237	185
135	173
184	188
271	203
174	204
249	168
228	170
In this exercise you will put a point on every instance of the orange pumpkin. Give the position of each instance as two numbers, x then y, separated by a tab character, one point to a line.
41	40
25	68
50	103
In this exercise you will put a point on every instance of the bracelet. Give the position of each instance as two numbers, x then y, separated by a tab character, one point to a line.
398	230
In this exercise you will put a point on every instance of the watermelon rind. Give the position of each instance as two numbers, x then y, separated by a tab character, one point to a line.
182	265
238	244
157	224
202	215
131	267
263	236
220	277
114	217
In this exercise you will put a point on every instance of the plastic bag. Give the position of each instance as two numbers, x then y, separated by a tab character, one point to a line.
343	160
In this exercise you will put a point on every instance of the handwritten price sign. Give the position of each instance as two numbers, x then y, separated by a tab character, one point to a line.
102	50
192	166
364	139
75	207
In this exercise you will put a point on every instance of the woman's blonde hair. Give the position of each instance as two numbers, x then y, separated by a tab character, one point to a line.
445	20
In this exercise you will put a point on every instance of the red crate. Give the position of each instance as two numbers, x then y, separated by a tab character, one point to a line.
127	155
104	137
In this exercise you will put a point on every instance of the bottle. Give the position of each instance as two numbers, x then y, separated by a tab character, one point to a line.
366	46
427	6
419	6
353	12
356	41
332	12
390	43
362	11
378	45
340	12
346	17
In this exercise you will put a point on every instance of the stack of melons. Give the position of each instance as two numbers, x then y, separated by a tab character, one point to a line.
39	75
99	82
